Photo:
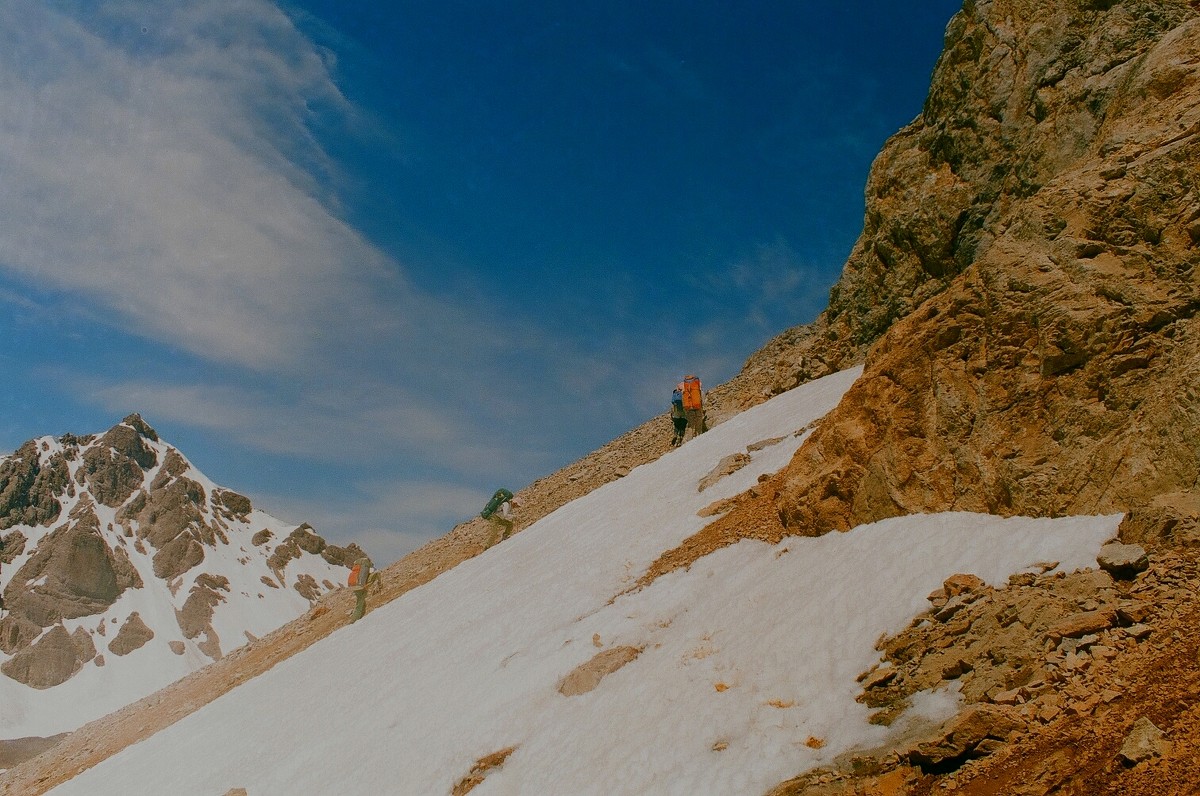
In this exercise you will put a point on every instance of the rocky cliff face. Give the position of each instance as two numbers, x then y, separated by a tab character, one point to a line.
115	547
1026	284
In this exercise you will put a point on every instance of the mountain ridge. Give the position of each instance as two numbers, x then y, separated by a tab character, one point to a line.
125	567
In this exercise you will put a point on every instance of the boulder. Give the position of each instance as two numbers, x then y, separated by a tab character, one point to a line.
1144	742
1082	624
133	635
962	584
51	660
727	466
1123	561
964	736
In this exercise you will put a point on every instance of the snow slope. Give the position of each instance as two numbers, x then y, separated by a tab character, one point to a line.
745	657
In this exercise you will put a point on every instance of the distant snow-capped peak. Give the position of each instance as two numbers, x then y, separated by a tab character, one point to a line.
124	567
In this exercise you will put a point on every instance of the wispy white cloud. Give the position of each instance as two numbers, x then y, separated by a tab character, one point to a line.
773	281
161	172
168	172
331	424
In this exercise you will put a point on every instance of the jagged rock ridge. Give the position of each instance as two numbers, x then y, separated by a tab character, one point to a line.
114	544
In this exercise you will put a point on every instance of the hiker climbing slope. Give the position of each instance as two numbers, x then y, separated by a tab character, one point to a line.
361	578
499	512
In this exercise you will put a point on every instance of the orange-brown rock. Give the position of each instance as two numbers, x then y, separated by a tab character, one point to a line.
1028	260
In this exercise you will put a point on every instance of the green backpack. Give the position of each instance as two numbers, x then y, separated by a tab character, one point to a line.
493	504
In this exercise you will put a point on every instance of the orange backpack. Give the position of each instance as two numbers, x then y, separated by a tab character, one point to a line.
353	580
691	393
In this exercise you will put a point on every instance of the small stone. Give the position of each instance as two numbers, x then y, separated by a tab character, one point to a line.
880	677
1143	742
1139	631
961	584
1048	714
1011	697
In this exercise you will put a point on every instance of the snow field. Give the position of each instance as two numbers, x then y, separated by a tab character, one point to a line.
744	657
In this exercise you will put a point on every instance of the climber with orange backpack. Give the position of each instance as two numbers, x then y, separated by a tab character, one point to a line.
693	404
361	578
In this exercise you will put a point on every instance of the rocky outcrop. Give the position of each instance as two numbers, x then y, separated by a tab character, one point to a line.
1044	649
1026	279
195	618
480	770
342	556
1144	742
727	466
587	676
232	505
80	567
52	660
73	573
11	546
972	733
28	489
307	587
170	516
305	540
133	635
114	468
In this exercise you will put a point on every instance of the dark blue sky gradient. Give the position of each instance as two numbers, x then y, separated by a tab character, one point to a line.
624	150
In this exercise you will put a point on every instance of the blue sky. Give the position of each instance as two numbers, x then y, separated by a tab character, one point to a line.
366	262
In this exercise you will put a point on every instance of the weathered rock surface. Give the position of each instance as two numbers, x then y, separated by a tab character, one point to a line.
1028	276
171	518
132	635
114	468
74	573
28	487
46	663
1123	560
971	733
1144	742
195	618
123	493
1025	294
727	466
